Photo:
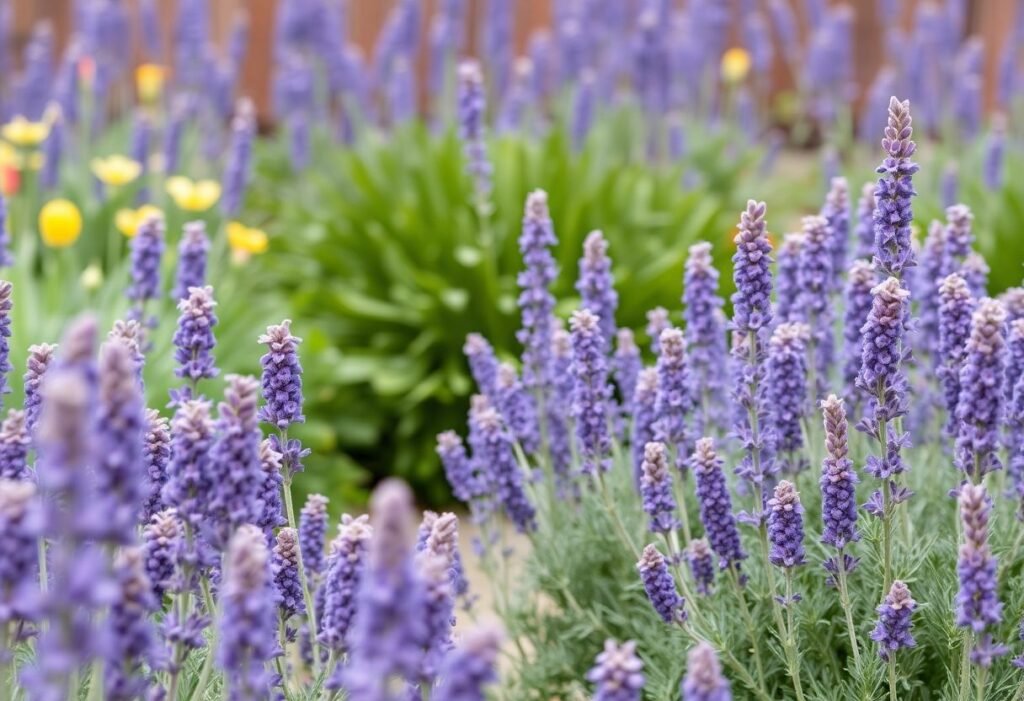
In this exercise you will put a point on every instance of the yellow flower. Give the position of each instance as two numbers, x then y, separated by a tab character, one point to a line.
115	170
193	195
92	277
149	81
60	223
735	65
21	132
246	241
127	220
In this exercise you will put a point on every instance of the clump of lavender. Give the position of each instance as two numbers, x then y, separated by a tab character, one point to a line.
675	393
894	621
596	285
472	107
192	252
536	301
618	673
977	601
704	680
816	280
626	366
786	526
980	402
787	305
14	445
156	452
147	250
865	221
860	280
591	392
470	667
657	321
348	553
956	307
248	622
659	503
786	391
705	336
837	213
702	564
716	505
838	478
517	408
645	417
661	586
494	450
894	191
21	525
312	531
40	356
160	545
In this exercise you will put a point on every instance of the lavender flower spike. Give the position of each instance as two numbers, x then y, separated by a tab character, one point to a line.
894	621
838	478
787	391
14	446
495	452
285	569
483	365
787	305
21	525
704	680
716	505
470	667
591	392
596	285
132	639
702	564
837	213
752	310
705	335
536	301
865	221
472	108
6	305
344	573
618	674
816	279
156	453
457	468
860	280
626	366
893	193
980	403
147	250
161	543
660	586
786	526
656	490
312	531
645	417
239	159
193	339
657	321
517	408
282	377
192	252
39	358
977	602
956	308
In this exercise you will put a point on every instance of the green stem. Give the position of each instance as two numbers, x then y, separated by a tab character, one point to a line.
887	533
844	599
748	620
965	665
982	678
616	518
794	654
892	677
6	692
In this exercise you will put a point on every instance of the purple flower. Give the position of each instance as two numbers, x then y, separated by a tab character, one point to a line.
517	408
705	335
120	427
160	543
704	680
439	605
787	391
248	621
975	271
472	110
933	265
147	250
193	339
788	305
457	468
980	402
131	641
752	308
702	564
786	526
439	534
596	285
591	392
470	667
716	505
181	112
959	237
657	321
132	335
483	365
950	184
234	468
282	377
618	673
977	601
192	251
312	531
14	446
626	366
494	451
645	417
239	158
893	193
270	512
536	301
156	452
838	478
894	621
189	483
860	280
348	553
520	97
284	566
995	156
6	259
816	280
956	307
865	221
5	333
837	213
21	525
656	490
675	392
661	586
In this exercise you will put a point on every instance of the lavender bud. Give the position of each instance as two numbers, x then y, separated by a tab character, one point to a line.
837	213
980	402
618	673
752	309
270	511
705	334
838	478
977	601
704	680
787	390
517	408
894	191
342	581
786	526
716	505
536	301
6	305
285	569
860	280
472	110
14	446
193	339
457	468
787	304
189	483
312	531
156	453
675	400
816	279
591	392
192	252
956	307
702	565
661	586
626	365
39	358
147	250
657	321
238	166
21	524
656	490
483	365
132	639
894	621
282	377
161	540
596	285
645	417
470	667
865	221
495	452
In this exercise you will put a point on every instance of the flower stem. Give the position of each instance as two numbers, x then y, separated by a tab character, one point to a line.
791	646
616	518
892	678
965	664
844	598
748	620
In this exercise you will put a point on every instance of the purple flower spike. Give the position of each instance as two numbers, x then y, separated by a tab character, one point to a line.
439	534
237	170
6	305
977	601
495	452
860	280
837	213
472	109
705	335
596	285
838	478
156	453
959	236
21	525
312	531
933	266
657	321
269	509
975	271
132	639
14	445
894	621
285	569
702	564
675	401
752	307
147	250
626	366
457	468
787	391
248	621
282	377
980	402
483	365
716	505
645	417
865	221
786	526
618	674
656	490
535	300
816	280
6	259
956	307
704	680
661	586
439	605
348	552
193	339
591	392
787	305
469	668
161	540
39	359
189	485
517	408
894	191
192	252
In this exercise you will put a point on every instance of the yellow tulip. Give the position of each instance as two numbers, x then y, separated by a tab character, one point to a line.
193	195
149	81
127	221
60	223
21	132
735	65
246	241
115	170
